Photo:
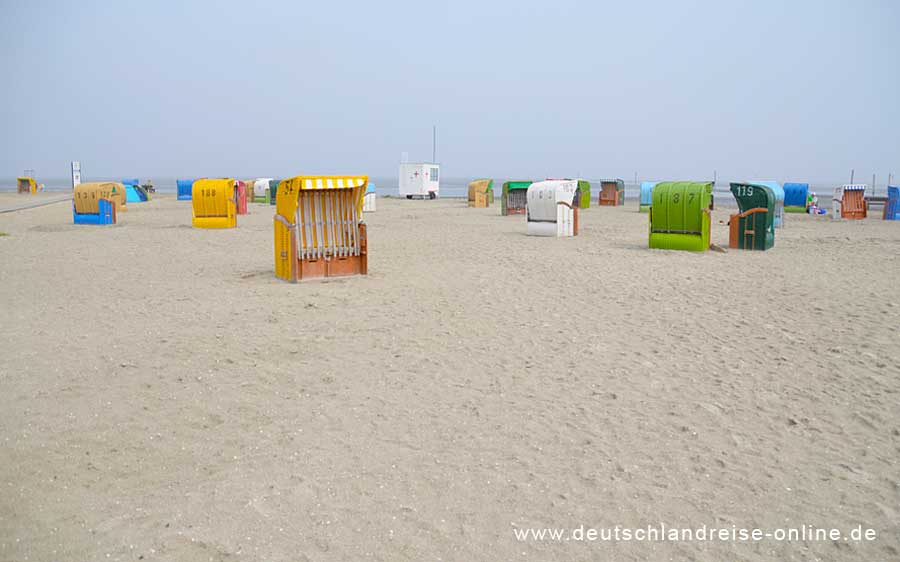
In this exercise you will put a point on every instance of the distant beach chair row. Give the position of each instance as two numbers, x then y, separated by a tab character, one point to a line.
261	190
679	213
680	216
850	201
319	229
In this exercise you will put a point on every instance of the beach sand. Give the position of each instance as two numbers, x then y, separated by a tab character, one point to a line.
164	397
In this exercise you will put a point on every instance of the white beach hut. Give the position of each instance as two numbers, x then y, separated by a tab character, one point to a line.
551	208
419	179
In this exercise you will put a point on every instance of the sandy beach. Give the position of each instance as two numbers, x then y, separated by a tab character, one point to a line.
164	397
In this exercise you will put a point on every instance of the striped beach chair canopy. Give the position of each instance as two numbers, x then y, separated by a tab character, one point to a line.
319	231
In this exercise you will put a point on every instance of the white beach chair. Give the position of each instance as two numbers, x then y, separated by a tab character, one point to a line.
551	209
836	203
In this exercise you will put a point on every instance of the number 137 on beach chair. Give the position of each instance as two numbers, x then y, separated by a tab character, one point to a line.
319	230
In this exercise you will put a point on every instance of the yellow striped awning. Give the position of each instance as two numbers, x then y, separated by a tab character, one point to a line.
331	182
289	191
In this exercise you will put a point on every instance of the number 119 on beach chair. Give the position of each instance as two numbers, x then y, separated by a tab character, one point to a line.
753	228
319	230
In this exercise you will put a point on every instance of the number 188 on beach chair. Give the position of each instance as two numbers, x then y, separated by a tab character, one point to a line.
213	203
319	230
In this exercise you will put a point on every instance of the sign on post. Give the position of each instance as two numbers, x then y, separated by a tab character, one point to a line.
76	174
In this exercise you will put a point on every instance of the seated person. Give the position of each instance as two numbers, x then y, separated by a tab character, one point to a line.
812	205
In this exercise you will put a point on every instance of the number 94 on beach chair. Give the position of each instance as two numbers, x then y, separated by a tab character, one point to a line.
319	230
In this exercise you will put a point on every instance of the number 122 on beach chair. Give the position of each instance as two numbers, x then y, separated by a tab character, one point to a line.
319	231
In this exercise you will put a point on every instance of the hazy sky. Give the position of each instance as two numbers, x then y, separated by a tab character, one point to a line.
672	90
